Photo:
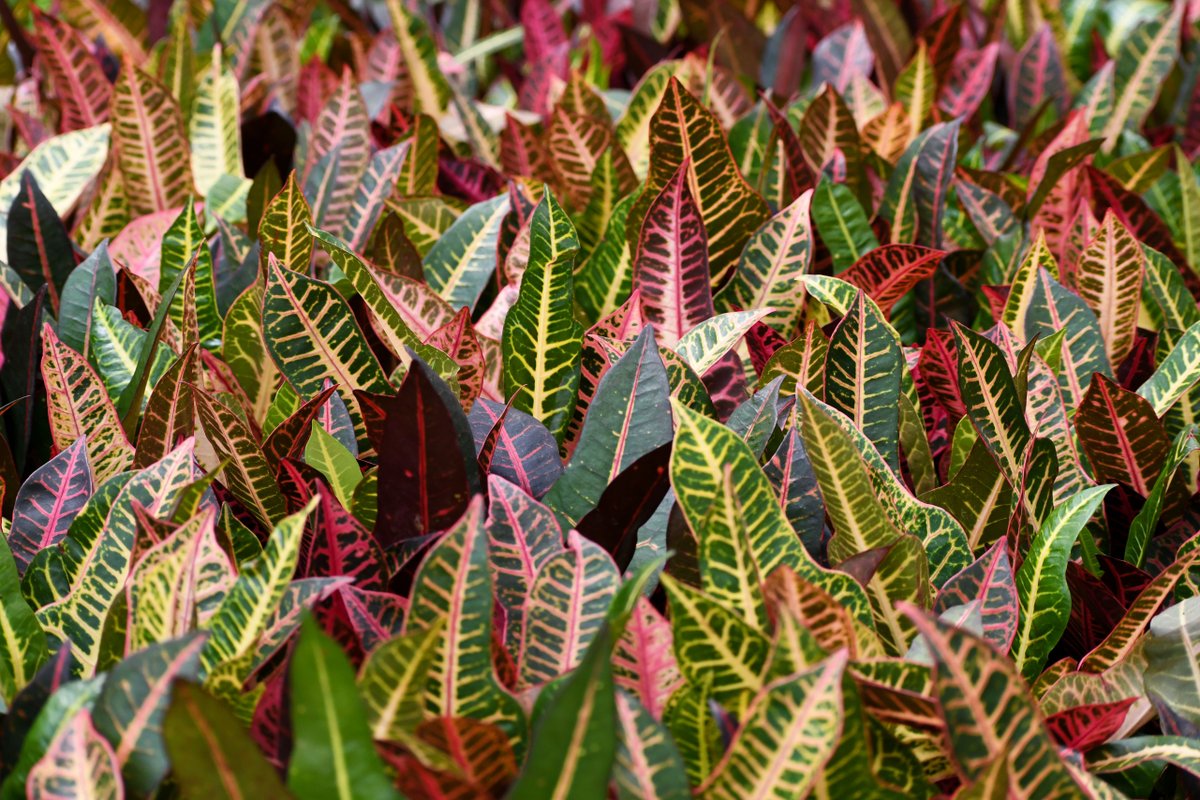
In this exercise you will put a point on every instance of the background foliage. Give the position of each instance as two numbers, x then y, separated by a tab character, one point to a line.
653	399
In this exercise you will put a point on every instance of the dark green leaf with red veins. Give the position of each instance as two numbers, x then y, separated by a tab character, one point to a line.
988	585
682	130
515	446
130	709
427	469
38	247
670	266
628	417
1121	436
48	501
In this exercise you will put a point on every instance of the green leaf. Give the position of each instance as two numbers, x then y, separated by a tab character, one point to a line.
392	682
63	167
1176	373
542	341
629	417
211	754
863	369
330	457
332	754
989	393
1145	58
989	713
426	85
311	333
1042	591
22	641
648	765
129	404
1171	652
243	616
130	709
245	471
1143	525
152	146
787	734
704	453
776	254
462	260
574	743
452	589
215	126
715	644
842	223
180	245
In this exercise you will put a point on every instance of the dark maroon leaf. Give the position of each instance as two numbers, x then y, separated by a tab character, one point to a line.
627	504
48	501
427	469
39	249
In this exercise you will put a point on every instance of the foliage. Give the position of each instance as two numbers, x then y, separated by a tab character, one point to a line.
646	399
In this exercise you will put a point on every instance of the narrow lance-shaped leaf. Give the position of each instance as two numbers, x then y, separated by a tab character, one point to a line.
1042	589
333	753
990	395
862	376
38	247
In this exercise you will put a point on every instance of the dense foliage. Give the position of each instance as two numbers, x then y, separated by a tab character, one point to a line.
687	397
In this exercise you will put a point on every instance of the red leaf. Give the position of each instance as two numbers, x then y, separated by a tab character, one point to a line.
1084	727
887	273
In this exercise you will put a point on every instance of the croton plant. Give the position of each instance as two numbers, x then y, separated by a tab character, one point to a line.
567	400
